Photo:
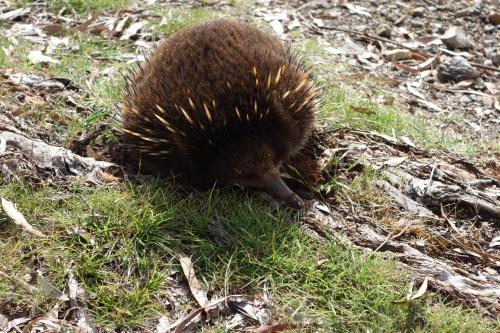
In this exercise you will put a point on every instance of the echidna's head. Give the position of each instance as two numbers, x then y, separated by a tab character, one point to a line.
255	164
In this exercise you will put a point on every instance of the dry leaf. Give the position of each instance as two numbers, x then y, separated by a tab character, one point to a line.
358	10
133	30
456	38
430	106
406	140
181	323
15	323
28	30
403	54
179	328
84	26
82	233
429	40
3	323
37	82
37	57
18	218
277	27
349	48
268	17
54	42
3	145
163	325
410	296
495	242
53	28
421	291
293	24
121	25
9	51
412	88
49	290
187	267
250	310
75	293
392	162
427	64
323	208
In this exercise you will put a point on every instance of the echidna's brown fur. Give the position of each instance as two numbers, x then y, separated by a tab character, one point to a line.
219	102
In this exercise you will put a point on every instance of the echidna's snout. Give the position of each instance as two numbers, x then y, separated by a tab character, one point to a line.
257	166
275	186
270	182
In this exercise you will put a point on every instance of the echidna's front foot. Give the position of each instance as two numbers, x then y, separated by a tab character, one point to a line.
275	186
294	201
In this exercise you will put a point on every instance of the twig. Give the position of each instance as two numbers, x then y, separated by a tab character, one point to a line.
392	236
472	92
429	182
450	222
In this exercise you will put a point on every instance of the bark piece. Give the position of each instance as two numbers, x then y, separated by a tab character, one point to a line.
58	159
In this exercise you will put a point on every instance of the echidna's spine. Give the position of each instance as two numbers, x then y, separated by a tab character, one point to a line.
177	107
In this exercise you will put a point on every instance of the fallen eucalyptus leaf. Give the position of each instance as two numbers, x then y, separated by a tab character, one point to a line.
18	218
194	285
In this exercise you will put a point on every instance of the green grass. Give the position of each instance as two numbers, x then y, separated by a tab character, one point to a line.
79	7
133	230
174	18
441	318
137	229
103	95
348	107
86	6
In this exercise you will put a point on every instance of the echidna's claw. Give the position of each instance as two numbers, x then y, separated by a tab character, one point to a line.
278	189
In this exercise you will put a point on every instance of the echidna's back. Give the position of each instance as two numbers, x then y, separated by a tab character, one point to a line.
212	82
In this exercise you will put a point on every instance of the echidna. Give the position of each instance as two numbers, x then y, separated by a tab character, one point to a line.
220	102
